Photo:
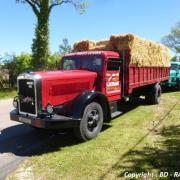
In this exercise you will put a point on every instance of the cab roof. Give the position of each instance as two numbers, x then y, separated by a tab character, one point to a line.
105	53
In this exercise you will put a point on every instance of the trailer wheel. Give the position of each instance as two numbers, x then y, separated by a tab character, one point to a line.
154	97
91	123
178	86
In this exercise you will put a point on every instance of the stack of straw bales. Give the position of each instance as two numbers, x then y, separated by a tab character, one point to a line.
142	52
84	45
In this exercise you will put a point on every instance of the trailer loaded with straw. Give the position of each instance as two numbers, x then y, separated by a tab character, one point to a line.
91	82
145	63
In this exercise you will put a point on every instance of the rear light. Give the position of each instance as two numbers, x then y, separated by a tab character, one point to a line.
50	109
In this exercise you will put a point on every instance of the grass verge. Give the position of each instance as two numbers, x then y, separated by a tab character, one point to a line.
145	139
7	93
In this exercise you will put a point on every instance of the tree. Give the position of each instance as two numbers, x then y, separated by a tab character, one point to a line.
65	48
172	40
42	10
54	61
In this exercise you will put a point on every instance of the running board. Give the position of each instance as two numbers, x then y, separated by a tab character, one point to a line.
115	114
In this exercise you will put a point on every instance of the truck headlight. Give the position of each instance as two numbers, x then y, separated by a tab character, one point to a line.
15	103
49	109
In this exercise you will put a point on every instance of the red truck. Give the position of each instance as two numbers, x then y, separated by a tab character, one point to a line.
84	92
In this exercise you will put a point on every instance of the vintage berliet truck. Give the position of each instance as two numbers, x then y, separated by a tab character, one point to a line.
84	92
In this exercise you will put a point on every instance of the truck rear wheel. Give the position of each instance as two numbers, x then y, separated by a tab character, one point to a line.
154	97
91	123
178	86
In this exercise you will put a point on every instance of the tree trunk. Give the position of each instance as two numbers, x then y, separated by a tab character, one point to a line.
40	46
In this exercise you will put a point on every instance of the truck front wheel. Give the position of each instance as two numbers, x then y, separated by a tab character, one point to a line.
91	123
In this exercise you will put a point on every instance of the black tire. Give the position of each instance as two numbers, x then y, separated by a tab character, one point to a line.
178	86
91	123
154	96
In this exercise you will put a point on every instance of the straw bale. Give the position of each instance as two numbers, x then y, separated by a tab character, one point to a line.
84	45
142	52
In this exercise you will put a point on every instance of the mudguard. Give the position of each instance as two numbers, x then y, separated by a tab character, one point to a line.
76	107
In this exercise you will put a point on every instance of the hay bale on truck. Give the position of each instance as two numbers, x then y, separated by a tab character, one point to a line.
141	52
89	45
85	45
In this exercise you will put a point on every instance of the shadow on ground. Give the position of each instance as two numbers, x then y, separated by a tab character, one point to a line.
169	89
165	157
22	140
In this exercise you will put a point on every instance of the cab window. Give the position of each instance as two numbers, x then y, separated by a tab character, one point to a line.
92	63
113	64
87	62
70	63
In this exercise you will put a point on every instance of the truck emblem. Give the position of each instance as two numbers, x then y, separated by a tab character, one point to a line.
28	100
29	83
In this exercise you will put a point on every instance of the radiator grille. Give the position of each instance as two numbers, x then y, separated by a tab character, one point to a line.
27	101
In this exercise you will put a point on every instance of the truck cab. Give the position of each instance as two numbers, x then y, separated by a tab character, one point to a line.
107	65
174	79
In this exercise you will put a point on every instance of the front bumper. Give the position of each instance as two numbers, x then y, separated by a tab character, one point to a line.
55	122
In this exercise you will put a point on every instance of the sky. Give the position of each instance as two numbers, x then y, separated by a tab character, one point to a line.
150	19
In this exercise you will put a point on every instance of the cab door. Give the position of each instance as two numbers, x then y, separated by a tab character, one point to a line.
113	79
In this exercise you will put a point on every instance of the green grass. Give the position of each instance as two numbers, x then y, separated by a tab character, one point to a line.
145	139
7	93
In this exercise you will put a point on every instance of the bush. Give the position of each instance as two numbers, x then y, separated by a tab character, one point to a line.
16	65
23	62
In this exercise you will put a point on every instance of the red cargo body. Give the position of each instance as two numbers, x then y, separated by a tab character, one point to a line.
132	77
142	76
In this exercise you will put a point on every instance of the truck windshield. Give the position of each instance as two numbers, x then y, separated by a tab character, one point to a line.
91	63
70	63
174	67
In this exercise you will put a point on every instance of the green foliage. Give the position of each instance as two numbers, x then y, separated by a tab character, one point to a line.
8	93
16	65
65	48
40	46
172	40
174	59
24	62
54	61
42	10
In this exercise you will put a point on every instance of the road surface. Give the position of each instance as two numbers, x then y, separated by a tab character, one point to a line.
19	141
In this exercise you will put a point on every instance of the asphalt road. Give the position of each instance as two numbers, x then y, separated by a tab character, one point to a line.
19	141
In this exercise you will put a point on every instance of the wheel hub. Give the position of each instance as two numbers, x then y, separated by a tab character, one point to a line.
93	119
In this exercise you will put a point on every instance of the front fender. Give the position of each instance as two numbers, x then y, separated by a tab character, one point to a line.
76	107
88	97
